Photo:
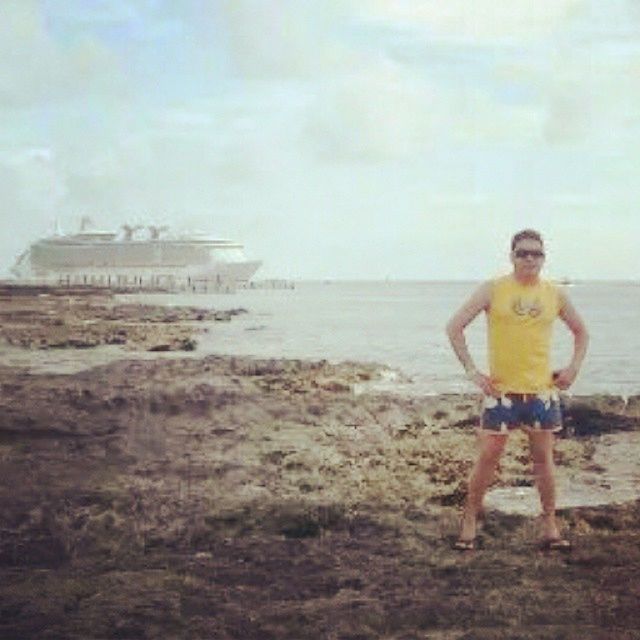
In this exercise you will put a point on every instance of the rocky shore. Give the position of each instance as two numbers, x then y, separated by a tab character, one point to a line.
55	318
228	497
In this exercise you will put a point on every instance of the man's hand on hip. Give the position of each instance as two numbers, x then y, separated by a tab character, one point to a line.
564	378
484	382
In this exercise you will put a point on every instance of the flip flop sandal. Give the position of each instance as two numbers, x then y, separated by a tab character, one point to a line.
464	545
555	544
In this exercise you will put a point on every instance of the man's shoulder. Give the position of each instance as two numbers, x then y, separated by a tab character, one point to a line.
500	281
552	290
550	283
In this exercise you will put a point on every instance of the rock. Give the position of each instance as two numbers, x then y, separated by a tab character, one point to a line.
160	347
69	320
335	386
586	417
188	344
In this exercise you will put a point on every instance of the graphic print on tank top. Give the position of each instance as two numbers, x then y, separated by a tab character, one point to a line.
523	307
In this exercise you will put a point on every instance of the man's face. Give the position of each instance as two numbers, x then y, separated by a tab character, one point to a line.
527	257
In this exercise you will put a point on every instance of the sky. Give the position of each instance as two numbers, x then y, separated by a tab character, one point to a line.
354	139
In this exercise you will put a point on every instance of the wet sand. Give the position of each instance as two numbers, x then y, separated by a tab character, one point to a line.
225	497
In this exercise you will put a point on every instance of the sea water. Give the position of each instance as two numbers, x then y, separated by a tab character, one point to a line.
402	325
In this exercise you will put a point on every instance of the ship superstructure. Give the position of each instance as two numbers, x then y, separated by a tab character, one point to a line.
134	254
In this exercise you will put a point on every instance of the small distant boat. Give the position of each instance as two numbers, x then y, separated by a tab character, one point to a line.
144	253
566	282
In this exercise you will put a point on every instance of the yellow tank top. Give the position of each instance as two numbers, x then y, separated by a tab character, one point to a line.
520	322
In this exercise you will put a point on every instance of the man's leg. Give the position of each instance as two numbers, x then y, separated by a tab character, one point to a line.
490	447
541	444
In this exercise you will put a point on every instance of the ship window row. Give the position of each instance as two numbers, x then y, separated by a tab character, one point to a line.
227	255
78	255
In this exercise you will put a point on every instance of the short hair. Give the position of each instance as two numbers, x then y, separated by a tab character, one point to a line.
526	234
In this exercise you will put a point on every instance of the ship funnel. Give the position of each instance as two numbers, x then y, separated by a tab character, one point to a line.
85	223
155	232
130	230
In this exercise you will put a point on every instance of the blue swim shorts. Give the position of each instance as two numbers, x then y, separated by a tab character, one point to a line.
533	411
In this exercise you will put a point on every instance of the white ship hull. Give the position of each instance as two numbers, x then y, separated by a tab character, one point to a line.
107	258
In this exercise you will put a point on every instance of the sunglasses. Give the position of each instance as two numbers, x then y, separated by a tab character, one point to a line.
525	253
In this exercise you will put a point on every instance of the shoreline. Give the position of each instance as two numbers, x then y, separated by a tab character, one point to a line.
226	497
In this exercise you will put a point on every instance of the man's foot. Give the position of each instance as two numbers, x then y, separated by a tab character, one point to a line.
550	529
468	527
555	544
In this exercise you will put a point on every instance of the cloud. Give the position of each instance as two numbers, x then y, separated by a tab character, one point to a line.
284	38
480	20
36	68
593	97
369	107
31	190
385	111
375	112
101	12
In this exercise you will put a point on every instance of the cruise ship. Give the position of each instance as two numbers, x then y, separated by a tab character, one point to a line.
134	255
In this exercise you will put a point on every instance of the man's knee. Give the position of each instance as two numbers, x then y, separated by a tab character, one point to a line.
541	445
542	461
491	448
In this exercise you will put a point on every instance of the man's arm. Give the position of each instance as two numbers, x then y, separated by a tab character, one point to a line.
564	378
478	302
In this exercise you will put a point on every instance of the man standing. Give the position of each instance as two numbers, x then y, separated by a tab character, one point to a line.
520	390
